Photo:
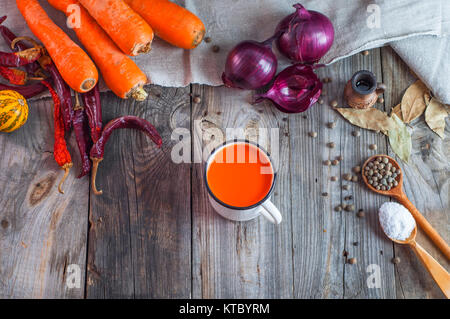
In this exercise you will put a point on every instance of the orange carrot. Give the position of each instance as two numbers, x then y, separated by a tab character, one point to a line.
171	22
75	66
127	29
120	73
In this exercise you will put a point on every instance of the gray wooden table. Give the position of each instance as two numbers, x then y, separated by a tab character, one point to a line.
153	234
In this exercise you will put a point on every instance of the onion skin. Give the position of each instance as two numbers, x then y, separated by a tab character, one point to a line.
306	36
294	90
250	65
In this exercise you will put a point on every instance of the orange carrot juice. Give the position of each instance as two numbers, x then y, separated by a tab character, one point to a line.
240	174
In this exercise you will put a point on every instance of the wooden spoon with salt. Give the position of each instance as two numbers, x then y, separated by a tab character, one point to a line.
439	274
398	193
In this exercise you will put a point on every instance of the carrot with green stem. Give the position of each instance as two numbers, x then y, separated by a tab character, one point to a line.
171	22
121	74
125	27
75	66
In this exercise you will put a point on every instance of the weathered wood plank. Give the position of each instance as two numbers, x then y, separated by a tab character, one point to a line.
140	228
374	251
318	232
239	259
426	183
321	233
42	232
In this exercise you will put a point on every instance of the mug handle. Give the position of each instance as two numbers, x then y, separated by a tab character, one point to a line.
381	87
271	212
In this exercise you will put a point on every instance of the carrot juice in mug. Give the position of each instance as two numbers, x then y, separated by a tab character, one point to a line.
240	178
240	174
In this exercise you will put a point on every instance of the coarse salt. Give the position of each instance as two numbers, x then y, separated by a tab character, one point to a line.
396	220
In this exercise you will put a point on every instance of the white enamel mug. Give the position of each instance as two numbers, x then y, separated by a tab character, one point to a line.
264	207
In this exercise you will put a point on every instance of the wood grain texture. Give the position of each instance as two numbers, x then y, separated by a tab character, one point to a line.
42	232
426	183
374	251
318	232
321	233
239	259
154	234
140	229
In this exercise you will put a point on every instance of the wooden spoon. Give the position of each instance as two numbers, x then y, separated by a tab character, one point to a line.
439	274
398	193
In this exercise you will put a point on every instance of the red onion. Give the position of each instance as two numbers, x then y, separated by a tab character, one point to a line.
305	35
250	65
294	90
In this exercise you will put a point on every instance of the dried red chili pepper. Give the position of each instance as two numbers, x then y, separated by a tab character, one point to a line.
16	76
33	69
61	88
84	142
60	152
93	108
21	58
98	148
28	91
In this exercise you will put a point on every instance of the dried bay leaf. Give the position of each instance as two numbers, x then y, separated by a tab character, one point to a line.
414	101
427	97
400	139
372	119
435	115
397	110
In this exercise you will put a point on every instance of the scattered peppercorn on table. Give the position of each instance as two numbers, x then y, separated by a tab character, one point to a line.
154	234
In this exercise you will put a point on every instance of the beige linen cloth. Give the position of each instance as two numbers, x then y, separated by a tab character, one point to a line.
410	26
429	57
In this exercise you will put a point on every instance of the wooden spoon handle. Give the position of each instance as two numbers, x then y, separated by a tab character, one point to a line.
425	225
439	274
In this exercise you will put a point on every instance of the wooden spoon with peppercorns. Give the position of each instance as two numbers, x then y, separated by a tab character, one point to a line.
398	193
439	274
